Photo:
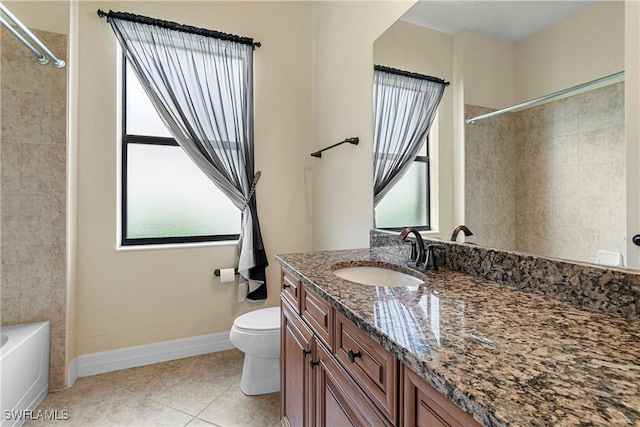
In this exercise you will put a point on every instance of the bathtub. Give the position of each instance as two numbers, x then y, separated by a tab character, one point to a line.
24	370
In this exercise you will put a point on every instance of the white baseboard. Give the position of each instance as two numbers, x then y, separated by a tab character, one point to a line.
72	372
139	355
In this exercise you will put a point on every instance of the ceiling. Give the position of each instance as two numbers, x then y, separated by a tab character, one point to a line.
511	20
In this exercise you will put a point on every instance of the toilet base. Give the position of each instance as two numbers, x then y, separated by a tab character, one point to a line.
260	376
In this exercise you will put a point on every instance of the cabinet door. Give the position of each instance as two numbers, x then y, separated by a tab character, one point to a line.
297	347
425	406
339	402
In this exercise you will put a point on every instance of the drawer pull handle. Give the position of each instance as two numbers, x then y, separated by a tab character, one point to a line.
312	363
305	352
352	355
285	285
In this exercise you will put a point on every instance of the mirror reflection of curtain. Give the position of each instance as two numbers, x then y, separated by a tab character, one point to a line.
405	105
202	88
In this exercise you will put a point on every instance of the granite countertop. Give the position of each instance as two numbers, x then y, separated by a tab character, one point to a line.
505	356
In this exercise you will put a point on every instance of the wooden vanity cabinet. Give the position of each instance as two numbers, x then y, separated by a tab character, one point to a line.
334	374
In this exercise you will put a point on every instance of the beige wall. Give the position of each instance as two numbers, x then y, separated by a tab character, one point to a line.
581	48
132	297
488	69
344	33
421	50
50	15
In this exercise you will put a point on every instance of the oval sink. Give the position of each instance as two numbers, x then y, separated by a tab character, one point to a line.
377	276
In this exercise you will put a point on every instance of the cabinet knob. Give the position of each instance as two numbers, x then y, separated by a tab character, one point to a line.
312	363
636	240
352	355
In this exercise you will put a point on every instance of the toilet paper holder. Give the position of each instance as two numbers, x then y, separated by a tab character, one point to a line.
216	272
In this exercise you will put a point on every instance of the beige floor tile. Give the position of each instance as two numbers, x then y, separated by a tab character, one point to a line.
87	402
197	422
137	380
141	412
234	409
165	394
197	382
188	394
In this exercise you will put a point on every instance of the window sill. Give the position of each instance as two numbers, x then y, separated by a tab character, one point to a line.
173	246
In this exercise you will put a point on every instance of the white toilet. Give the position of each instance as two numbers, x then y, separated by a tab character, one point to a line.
257	334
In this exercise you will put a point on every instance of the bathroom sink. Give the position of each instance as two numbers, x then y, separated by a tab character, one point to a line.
377	276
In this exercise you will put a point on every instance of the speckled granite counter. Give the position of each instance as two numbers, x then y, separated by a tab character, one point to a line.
548	363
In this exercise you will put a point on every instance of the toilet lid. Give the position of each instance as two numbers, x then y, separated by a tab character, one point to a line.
260	320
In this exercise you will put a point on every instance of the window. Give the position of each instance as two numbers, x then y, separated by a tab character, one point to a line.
407	204
165	196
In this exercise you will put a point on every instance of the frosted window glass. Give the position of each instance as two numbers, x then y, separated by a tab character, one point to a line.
168	196
406	204
142	118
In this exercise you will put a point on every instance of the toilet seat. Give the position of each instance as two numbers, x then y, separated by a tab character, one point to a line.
264	321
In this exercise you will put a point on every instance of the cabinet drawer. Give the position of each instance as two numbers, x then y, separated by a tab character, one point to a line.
291	288
318	314
370	365
425	406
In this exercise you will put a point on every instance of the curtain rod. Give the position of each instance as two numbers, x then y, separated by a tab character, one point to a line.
58	63
409	74
178	27
544	98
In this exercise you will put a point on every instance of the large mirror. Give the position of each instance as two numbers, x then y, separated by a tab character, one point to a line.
549	178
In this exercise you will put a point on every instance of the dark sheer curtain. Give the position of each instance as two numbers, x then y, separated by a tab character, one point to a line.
202	88
405	105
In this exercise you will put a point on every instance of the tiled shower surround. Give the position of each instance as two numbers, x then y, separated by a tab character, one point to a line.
549	179
33	147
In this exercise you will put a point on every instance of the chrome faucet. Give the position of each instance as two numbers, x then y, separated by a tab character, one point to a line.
458	229
421	257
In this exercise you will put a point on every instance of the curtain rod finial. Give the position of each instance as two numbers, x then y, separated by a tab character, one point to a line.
101	13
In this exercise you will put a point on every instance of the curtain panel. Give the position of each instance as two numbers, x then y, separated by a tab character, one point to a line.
202	88
405	105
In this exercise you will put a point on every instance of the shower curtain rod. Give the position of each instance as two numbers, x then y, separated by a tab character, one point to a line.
58	63
544	98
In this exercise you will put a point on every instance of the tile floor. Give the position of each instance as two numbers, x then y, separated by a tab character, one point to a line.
196	391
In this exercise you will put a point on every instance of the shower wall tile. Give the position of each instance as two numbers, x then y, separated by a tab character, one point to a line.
565	181
35	308
33	199
35	168
10	176
9	310
35	271
566	115
569	178
565	150
490	179
9	259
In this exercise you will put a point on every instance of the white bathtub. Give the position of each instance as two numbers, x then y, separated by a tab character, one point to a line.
24	370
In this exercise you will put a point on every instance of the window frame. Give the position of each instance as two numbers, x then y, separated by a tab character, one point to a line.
422	159
151	140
